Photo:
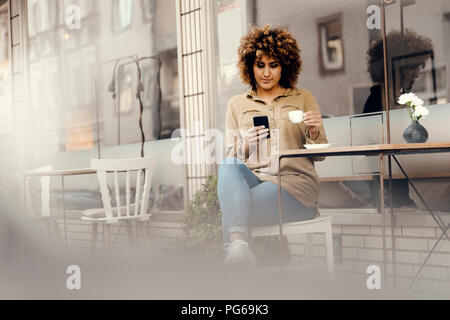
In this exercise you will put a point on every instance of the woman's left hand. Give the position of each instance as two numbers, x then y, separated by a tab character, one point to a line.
313	122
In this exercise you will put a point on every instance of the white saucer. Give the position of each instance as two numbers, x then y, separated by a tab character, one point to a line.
317	146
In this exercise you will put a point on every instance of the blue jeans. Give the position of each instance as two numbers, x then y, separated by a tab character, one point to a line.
246	201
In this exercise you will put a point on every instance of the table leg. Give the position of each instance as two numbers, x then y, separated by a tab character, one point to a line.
280	211
280	215
393	223
64	210
383	220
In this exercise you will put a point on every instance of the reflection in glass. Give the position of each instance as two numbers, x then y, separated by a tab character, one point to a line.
407	55
70	70
126	87
148	9
151	97
420	49
122	14
61	81
331	45
5	71
169	108
228	13
42	16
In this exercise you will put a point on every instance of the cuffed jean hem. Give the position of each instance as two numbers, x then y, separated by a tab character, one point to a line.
235	229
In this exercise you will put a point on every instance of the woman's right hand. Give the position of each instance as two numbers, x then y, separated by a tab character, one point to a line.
254	136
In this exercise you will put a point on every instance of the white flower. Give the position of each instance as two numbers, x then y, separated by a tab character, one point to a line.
416	101
414	104
410	97
406	97
421	111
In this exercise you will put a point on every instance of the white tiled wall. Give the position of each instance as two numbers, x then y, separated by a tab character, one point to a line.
362	246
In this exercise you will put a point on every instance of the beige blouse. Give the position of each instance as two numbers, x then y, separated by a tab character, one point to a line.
299	176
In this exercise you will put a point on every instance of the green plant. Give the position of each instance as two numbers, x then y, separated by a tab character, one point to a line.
202	224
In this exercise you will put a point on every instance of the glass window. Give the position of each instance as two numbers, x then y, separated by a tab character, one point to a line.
122	14
83	72
231	24
419	50
5	71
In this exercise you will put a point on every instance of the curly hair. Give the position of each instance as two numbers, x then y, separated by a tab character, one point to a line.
397	46
276	43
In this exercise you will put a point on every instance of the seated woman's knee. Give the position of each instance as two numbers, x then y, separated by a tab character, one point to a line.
232	160
229	164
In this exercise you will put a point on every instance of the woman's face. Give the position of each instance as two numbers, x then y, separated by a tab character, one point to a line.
267	72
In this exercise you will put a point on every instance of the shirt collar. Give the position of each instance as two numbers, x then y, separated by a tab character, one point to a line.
251	94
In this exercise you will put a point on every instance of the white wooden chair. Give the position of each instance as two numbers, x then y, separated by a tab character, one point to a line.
43	215
317	225
141	170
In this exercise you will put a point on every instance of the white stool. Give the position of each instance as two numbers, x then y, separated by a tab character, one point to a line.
317	225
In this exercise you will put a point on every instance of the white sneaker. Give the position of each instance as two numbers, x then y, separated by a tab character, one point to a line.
239	253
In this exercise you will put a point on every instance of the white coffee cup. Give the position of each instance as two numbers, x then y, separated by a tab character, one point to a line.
296	116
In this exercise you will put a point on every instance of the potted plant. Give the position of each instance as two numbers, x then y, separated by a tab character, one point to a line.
415	133
202	224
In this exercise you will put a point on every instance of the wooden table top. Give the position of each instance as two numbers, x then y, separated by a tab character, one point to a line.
64	172
375	149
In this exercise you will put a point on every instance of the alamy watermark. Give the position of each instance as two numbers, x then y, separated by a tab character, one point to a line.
212	146
73	282
374	20
374	280
73	17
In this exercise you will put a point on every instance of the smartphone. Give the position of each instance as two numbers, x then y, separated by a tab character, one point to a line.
262	121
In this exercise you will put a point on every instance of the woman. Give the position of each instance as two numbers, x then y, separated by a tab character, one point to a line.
269	61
